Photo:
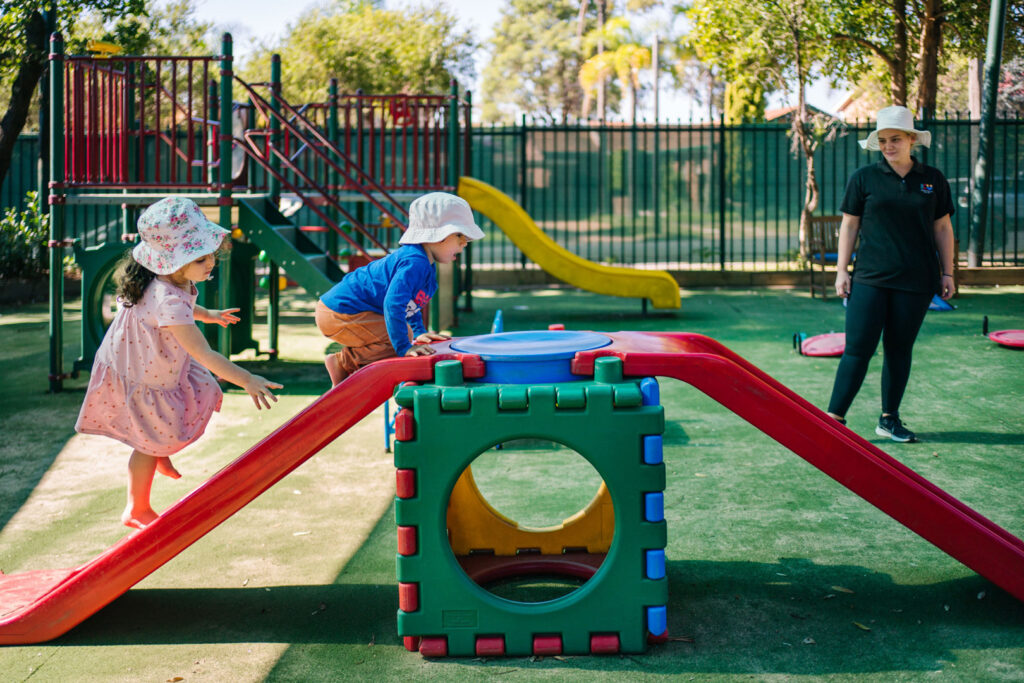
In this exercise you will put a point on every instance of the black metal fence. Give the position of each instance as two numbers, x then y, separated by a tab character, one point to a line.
100	222
714	196
683	196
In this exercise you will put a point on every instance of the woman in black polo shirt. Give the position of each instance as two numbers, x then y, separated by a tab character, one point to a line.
901	211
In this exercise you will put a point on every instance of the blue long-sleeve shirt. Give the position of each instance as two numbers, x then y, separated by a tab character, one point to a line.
396	286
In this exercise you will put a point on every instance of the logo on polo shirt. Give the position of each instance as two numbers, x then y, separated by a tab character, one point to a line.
927	188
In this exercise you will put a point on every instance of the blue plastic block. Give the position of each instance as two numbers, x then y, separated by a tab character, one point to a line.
652	449
651	391
657	620
655	563
654	507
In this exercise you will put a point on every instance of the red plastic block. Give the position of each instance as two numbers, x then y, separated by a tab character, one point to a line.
604	643
547	645
556	326
434	646
409	596
657	639
405	425
406	540
405	483
411	643
490	646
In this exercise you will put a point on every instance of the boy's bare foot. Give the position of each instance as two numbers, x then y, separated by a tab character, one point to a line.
165	467
138	520
334	369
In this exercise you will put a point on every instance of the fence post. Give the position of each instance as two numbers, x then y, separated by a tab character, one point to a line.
722	156
522	178
56	213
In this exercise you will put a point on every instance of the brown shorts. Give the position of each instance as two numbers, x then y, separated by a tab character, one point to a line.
364	336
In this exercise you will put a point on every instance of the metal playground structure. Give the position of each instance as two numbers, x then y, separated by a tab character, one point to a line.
314	189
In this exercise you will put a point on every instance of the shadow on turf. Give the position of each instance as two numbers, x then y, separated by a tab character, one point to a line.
792	617
973	437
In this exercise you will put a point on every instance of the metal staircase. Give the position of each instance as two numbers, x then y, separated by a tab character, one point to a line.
287	246
284	241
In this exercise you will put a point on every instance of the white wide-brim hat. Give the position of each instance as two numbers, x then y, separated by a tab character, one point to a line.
436	215
173	233
895	118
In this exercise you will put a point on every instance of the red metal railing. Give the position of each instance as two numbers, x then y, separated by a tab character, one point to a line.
399	141
139	122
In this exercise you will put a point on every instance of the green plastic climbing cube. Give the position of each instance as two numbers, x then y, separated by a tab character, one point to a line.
616	425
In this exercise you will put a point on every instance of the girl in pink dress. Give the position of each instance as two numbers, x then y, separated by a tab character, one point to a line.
150	385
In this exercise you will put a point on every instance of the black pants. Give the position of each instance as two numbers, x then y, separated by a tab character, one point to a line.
874	312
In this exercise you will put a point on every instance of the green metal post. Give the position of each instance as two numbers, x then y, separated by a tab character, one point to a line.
275	126
986	137
224	185
468	170
362	143
333	177
213	97
127	214
208	291
276	140
56	210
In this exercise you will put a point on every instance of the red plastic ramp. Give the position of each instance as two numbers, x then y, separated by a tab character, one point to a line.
40	605
854	462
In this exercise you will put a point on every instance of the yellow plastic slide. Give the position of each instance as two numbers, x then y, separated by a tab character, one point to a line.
656	285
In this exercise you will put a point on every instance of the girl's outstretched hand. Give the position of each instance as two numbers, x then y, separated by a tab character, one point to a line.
223	317
260	390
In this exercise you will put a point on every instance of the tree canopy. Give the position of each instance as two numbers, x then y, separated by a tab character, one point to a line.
535	57
378	51
23	52
908	43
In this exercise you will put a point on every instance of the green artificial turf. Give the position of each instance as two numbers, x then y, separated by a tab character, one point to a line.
776	572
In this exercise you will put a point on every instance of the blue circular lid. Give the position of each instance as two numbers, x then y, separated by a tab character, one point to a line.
530	346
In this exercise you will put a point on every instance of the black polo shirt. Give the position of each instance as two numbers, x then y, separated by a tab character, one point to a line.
897	225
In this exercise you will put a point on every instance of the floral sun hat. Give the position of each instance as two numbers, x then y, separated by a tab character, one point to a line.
174	232
436	215
895	118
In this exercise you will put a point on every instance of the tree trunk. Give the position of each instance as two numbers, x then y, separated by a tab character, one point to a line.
25	82
928	58
898	89
804	140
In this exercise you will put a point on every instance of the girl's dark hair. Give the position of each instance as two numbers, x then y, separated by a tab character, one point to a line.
131	279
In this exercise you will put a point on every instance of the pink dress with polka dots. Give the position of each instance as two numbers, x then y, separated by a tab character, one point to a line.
145	389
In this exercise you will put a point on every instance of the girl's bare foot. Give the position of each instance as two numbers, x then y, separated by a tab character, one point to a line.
139	519
165	467
334	369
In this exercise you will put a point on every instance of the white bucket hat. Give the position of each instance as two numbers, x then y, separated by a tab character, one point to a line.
437	215
895	118
174	232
